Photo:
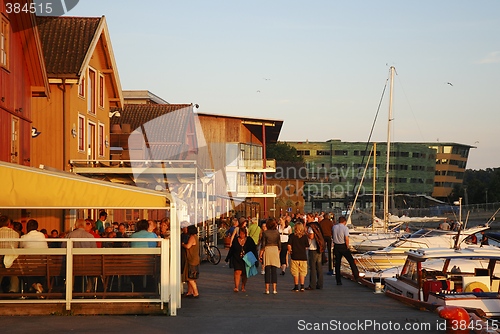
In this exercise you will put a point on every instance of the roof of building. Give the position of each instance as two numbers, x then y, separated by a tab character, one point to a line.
254	124
66	41
163	126
131	95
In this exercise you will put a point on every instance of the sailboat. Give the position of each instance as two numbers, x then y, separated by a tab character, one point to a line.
378	229
385	252
382	232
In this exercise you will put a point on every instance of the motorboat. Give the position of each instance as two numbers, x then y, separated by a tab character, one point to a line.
395	254
461	265
476	291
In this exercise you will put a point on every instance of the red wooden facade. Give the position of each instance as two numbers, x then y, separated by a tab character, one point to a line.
22	75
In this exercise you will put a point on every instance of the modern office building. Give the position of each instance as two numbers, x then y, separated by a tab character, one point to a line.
451	162
335	170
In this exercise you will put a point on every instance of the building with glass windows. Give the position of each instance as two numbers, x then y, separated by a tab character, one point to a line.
335	169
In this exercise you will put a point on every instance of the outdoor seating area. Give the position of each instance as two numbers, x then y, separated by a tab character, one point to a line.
106	275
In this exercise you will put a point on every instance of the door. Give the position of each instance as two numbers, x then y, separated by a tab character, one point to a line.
14	147
91	142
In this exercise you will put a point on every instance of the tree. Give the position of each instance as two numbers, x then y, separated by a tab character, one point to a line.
482	185
283	152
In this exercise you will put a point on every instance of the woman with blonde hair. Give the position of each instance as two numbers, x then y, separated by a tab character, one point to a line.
297	247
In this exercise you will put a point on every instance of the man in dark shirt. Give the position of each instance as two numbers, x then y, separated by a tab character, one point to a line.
326	228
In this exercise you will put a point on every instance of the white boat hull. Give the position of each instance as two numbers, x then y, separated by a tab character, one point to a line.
475	286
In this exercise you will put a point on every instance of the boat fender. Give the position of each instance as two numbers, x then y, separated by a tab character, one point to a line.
454	315
476	287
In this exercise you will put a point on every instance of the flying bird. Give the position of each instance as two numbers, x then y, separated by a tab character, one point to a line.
267	79
258	91
449	83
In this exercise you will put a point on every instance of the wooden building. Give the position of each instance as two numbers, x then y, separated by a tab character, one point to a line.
84	86
23	82
236	151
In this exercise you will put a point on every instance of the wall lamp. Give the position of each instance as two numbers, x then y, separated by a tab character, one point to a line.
114	113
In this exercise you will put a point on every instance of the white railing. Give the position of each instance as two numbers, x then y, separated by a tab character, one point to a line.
162	296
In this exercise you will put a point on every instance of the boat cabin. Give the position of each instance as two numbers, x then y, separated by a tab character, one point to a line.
461	277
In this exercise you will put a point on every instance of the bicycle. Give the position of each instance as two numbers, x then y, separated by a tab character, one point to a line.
212	252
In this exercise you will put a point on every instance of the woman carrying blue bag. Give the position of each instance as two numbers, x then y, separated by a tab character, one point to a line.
240	247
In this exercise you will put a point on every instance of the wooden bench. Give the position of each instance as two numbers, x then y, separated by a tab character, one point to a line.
106	266
103	266
47	266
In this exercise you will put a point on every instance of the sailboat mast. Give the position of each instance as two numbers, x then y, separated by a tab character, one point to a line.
386	192
374	183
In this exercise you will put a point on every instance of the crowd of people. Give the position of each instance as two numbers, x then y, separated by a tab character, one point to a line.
300	243
83	228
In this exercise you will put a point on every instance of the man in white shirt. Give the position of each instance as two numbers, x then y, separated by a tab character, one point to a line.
34	239
341	249
6	232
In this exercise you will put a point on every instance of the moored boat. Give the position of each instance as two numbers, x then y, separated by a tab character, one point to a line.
395	254
476	291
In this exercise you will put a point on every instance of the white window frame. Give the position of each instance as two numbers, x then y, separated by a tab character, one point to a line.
101	94
91	149
4	42
92	91
101	137
81	133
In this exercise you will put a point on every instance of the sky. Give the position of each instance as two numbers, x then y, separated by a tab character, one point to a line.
321	66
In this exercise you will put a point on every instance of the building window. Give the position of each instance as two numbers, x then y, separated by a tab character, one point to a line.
101	140
101	91
322	152
4	43
132	215
81	133
341	152
303	152
91	100
81	87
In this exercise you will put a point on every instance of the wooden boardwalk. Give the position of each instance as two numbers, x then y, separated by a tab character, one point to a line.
220	310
